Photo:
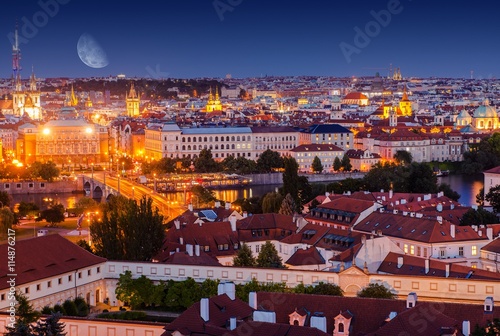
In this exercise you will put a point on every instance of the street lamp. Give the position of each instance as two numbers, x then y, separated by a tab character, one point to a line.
133	193
154	182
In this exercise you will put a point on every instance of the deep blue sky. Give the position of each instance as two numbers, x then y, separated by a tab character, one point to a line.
186	38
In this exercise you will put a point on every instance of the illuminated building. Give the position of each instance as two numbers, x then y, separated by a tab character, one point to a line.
405	105
485	117
356	98
62	141
132	100
213	104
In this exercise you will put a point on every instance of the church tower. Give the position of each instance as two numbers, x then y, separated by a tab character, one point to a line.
393	118
132	100
405	104
213	104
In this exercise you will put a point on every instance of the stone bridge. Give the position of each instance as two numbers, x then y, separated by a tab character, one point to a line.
95	189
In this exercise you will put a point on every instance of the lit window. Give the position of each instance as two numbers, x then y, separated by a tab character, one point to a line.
412	249
474	250
405	249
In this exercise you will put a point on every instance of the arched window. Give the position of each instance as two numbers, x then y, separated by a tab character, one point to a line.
183	147
205	139
216	138
216	146
183	140
232	146
189	147
243	138
210	139
194	139
238	138
232	138
227	138
341	327
199	139
295	322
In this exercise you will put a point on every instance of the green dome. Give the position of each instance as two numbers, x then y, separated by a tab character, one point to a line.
485	111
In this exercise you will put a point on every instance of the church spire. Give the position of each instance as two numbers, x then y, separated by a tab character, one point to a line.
133	93
32	80
405	95
73	99
16	64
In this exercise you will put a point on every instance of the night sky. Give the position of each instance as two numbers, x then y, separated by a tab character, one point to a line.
251	38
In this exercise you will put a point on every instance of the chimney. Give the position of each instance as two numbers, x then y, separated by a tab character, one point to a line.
252	300
412	214
230	290
220	288
232	220
452	231
419	199
381	190
488	304
427	265
474	227
177	224
447	270
227	205
411	300
395	211
217	204
189	249
452	206
181	240
197	250
489	233
391	193
319	322
440	219
381	210
466	328
190	207
400	261
327	194
232	323
480	233
204	313
245	214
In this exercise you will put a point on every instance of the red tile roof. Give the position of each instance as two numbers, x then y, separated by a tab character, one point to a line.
221	309
415	266
274	329
317	148
493	246
45	257
423	229
309	256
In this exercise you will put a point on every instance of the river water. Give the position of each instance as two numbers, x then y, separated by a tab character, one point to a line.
467	186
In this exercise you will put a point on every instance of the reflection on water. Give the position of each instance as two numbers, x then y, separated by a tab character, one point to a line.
44	200
467	186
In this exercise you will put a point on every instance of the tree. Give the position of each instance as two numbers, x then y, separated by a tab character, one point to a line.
128	230
27	209
268	256
138	293
337	164
493	197
203	196
478	217
316	165
252	205
47	171
346	163
6	221
378	291
50	326
244	257
70	308
403	157
271	202
205	162
287	206
268	161
480	197
25	316
491	329
84	245
323	288
448	192
85	204
291	180
5	198
53	215
421	179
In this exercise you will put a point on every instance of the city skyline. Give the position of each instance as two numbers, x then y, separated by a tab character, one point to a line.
252	38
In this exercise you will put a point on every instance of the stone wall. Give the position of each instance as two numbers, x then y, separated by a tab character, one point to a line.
17	187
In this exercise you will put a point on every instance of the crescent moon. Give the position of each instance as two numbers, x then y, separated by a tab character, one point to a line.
90	52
